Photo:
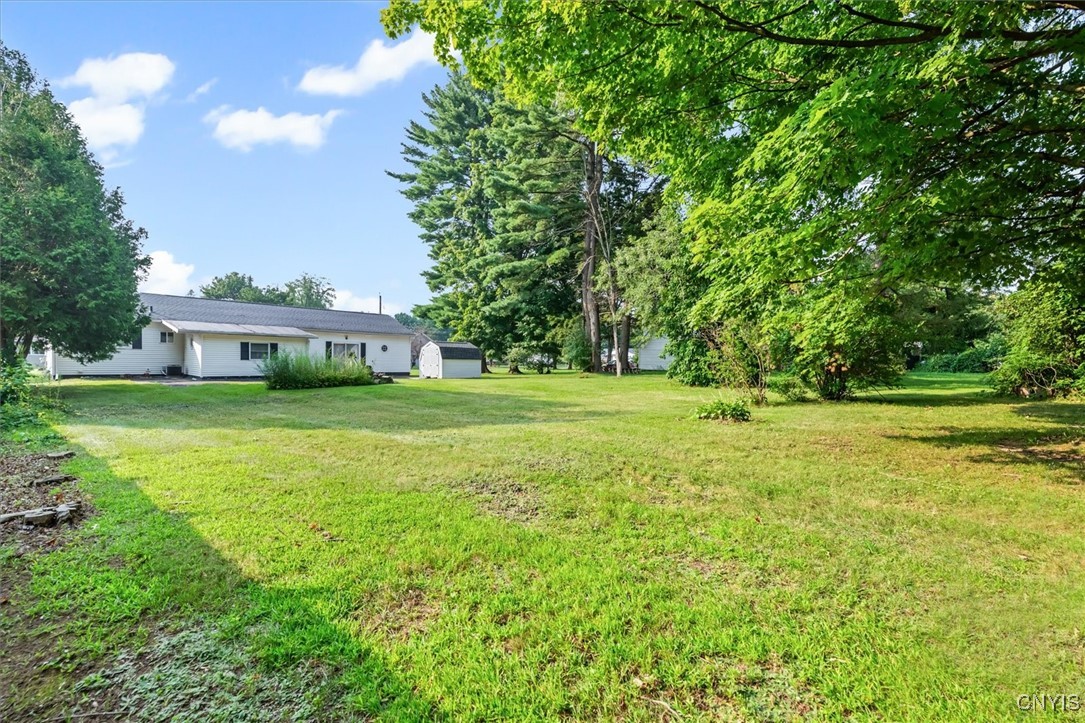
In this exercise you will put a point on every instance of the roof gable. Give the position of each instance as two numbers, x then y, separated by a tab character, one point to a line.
217	311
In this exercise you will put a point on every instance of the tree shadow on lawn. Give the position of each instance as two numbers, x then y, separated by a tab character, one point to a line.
943	390
385	408
138	573
1059	447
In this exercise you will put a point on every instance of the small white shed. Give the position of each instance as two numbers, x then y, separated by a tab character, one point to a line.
651	356
449	360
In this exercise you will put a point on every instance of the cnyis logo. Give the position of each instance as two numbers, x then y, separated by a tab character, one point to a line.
1044	702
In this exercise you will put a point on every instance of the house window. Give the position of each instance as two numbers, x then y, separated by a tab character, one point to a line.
137	340
165	337
348	351
259	350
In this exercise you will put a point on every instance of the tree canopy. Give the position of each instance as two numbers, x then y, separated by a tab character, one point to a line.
818	140
315	292
70	261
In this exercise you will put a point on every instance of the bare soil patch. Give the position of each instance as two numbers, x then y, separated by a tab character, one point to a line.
33	481
735	690
509	499
400	615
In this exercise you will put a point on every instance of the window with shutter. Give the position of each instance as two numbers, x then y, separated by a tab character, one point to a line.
274	349
361	352
328	349
244	351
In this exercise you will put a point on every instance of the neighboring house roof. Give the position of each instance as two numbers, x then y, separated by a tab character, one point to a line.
212	327
194	309
457	350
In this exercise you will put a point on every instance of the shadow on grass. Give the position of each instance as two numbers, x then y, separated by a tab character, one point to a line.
138	573
936	390
388	408
1059	447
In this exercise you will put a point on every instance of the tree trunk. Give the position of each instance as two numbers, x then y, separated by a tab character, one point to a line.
623	344
615	335
24	347
7	346
593	177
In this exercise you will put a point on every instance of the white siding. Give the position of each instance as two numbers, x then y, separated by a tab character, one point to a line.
220	356
149	360
194	355
397	360
433	365
461	368
651	357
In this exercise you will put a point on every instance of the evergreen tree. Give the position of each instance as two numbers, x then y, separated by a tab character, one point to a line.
70	261
523	216
497	194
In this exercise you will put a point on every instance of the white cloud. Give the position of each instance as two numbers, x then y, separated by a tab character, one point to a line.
112	117
243	129
202	90
107	125
118	79
347	301
380	63
167	275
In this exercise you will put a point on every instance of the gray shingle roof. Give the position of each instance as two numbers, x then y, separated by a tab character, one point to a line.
458	350
192	308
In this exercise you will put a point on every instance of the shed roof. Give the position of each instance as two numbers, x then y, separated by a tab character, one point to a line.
458	350
193	309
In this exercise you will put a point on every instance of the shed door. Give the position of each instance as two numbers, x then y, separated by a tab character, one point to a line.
429	363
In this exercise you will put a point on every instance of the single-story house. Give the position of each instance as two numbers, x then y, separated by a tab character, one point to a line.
651	357
450	360
215	338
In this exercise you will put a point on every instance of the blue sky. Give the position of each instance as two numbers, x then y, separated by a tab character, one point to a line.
246	136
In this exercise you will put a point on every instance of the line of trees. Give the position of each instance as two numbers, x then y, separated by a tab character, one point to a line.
314	292
841	176
524	216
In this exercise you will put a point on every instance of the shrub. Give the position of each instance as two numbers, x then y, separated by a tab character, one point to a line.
724	411
843	342
985	356
1028	374
1045	329
940	363
693	363
790	387
743	353
577	347
14	383
301	371
23	405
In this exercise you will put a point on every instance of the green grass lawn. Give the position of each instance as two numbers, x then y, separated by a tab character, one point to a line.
554	546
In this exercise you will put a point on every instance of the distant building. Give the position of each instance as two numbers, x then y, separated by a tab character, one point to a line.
651	357
215	338
450	360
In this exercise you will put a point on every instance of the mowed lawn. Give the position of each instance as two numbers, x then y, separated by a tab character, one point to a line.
561	546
